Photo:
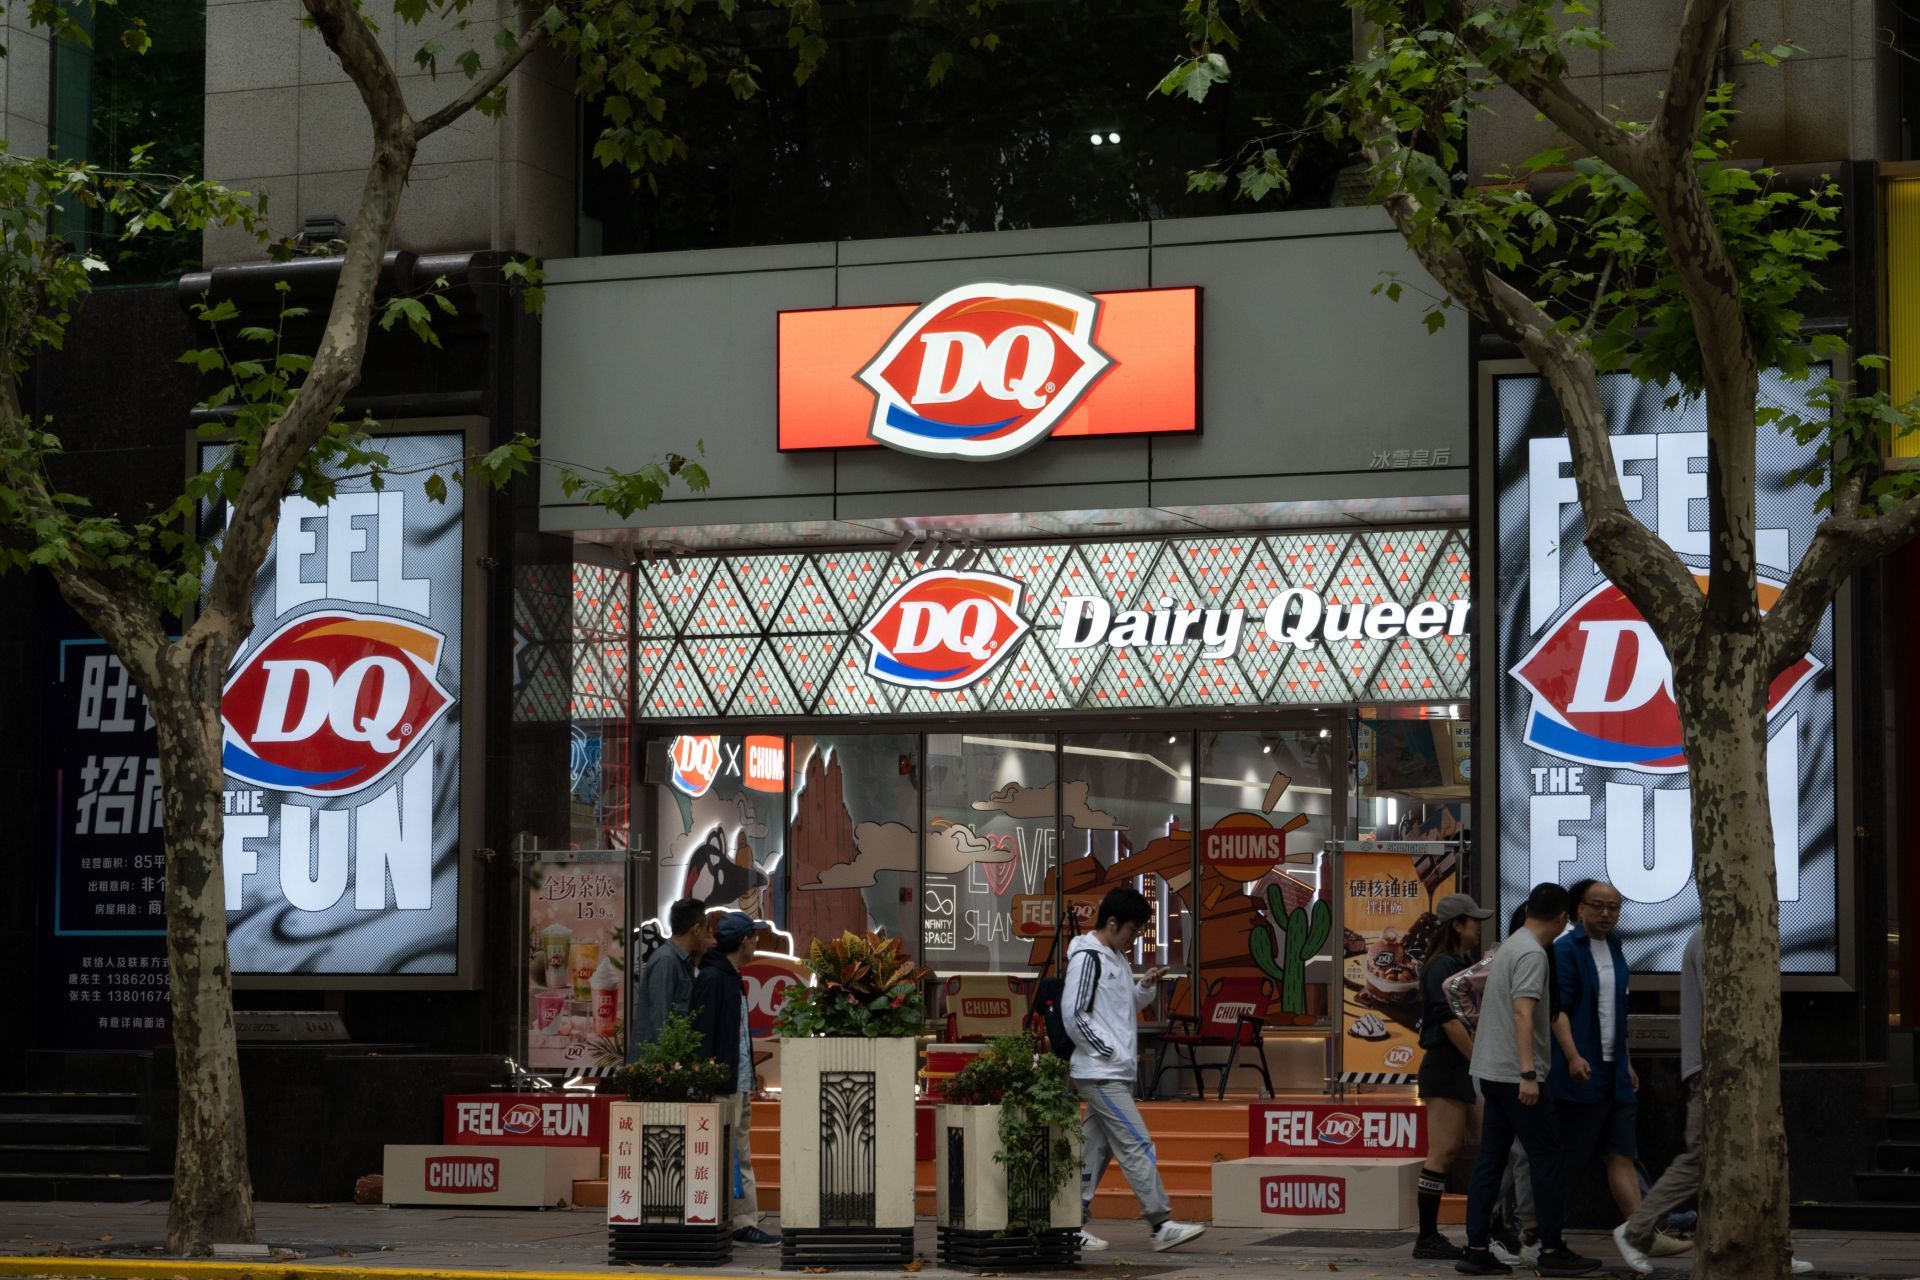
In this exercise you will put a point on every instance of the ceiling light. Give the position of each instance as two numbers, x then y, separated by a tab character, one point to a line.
1267	750
1172	738
1114	138
1094	139
1326	733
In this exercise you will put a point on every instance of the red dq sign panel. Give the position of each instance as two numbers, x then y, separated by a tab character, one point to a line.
990	368
467	1175
1344	1128
1303	1194
944	629
530	1120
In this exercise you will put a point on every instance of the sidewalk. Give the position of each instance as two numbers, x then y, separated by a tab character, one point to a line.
342	1241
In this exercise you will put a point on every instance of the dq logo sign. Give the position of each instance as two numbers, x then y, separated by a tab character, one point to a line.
944	629
332	702
1603	688
1338	1129
767	979
522	1117
696	763
985	370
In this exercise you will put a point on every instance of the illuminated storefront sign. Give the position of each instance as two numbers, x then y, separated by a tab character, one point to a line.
1246	620
989	369
1592	778
342	735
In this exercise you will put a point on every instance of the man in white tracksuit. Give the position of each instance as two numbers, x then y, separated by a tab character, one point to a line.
1101	1010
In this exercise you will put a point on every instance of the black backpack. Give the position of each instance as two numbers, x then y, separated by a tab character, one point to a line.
1048	999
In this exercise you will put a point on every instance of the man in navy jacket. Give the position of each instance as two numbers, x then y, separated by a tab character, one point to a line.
1594	1086
720	1016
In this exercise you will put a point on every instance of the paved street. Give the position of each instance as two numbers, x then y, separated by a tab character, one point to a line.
348	1238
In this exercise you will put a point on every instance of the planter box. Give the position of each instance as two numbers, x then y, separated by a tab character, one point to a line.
846	1152
972	1200
667	1183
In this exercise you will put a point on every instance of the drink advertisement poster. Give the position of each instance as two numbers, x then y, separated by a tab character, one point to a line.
577	962
1387	907
102	958
1592	778
343	729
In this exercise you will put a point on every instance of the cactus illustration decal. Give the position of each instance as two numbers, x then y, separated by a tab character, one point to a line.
1301	935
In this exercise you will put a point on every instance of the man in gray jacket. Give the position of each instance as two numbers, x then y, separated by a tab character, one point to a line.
666	983
1101	1010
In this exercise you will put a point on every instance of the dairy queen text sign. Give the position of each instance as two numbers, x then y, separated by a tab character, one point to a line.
1326	1129
343	734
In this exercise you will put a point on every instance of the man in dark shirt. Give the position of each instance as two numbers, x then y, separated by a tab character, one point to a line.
666	983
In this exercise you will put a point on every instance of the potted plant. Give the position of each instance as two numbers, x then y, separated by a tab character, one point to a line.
848	1052
1007	1161
667	1175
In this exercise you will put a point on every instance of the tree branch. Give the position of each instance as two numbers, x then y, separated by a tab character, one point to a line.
1841	545
1702	28
343	343
1549	95
530	39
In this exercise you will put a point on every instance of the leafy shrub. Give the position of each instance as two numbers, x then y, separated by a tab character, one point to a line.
1040	1114
674	1069
864	986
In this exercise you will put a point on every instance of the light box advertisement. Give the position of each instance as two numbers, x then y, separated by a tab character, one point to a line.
342	720
1592	778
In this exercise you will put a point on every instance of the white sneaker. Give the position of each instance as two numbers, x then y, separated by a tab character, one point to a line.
1630	1253
1501	1252
1530	1254
1170	1233
1801	1267
1090	1243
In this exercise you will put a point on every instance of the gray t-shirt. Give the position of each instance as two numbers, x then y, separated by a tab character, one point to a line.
1520	969
1691	966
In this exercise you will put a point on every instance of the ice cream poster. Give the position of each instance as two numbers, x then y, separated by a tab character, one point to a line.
1387	907
576	964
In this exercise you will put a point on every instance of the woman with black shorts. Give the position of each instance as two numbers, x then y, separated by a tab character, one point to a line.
1446	1081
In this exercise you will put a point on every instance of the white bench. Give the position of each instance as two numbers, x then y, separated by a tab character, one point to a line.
492	1176
1324	1194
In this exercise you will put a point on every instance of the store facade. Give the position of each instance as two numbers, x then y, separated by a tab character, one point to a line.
1034	563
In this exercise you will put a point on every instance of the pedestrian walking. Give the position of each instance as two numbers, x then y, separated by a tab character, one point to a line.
1102	1016
1446	1081
1595	1088
1637	1237
666	980
720	1016
1510	1050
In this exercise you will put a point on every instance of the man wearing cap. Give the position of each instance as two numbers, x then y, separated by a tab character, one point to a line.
720	1016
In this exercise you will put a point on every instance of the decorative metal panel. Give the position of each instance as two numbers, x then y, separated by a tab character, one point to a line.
769	635
663	1173
848	1119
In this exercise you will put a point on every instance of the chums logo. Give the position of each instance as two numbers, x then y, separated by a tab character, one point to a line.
977	1007
985	370
471	1175
944	629
1603	687
331	702
1303	1193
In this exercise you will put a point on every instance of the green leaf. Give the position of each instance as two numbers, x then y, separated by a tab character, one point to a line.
436	488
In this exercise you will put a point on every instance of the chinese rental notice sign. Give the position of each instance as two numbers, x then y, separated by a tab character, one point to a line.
103	949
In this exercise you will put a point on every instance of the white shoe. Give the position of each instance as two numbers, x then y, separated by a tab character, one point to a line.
1801	1267
1635	1259
1501	1252
1090	1243
1170	1233
1530	1255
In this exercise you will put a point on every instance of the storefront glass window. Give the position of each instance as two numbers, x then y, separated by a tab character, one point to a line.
1414	778
1127	819
990	843
1267	925
599	780
855	818
719	837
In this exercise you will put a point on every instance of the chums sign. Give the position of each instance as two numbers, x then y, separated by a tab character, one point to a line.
342	735
1592	774
944	629
1303	1194
991	368
473	1175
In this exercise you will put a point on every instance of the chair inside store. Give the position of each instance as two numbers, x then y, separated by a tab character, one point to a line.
1232	1016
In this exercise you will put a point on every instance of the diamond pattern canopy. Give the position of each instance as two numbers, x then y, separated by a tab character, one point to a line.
780	634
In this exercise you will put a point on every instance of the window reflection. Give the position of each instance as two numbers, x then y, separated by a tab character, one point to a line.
990	847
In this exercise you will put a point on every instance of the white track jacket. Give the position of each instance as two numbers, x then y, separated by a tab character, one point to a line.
1102	1011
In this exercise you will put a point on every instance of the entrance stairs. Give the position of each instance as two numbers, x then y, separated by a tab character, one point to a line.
1889	1192
82	1129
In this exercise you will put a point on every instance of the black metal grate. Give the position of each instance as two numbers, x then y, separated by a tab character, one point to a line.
848	1119
663	1173
956	1176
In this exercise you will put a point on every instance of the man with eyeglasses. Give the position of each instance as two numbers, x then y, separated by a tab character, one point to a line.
1594	1086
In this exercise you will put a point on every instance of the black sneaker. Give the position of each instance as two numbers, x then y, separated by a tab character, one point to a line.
755	1236
1437	1248
1480	1262
1562	1261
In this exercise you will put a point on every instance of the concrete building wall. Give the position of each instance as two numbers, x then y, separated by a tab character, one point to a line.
1835	101
283	118
26	84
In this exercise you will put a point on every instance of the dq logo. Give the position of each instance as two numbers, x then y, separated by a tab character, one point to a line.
331	702
1603	688
985	370
1338	1129
696	762
522	1117
944	629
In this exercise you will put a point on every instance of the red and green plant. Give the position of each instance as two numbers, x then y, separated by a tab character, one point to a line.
864	985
